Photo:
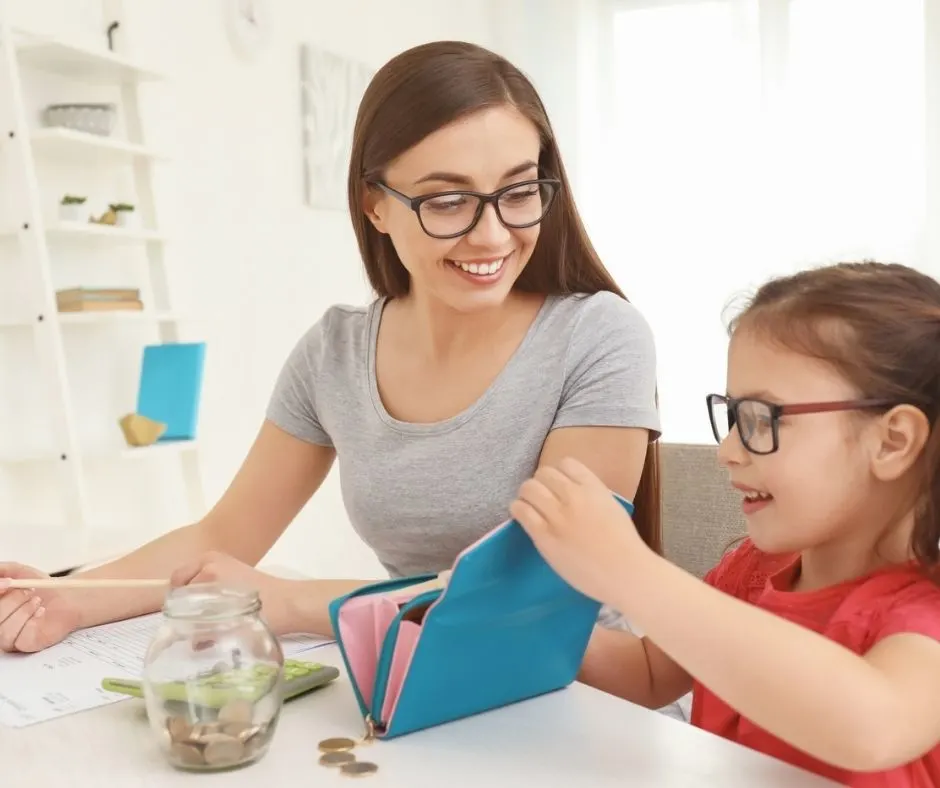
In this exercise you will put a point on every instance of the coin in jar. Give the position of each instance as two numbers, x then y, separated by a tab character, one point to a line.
222	751
187	754
339	744
239	710
358	769
336	758
178	728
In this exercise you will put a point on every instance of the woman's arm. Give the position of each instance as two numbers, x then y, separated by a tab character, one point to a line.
615	454
616	662
279	475
633	668
862	713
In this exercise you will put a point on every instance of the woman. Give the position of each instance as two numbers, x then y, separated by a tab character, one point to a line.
498	342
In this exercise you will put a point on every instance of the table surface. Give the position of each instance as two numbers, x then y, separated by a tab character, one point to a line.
575	736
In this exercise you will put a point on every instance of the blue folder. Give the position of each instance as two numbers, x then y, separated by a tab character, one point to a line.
171	386
505	629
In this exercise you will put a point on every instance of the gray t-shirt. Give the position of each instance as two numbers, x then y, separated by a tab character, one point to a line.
418	494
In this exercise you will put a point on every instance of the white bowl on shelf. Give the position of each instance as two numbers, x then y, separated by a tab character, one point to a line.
88	118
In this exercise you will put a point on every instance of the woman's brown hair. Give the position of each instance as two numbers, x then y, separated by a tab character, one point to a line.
428	87
878	326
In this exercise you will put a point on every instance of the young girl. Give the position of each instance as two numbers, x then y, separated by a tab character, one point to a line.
817	639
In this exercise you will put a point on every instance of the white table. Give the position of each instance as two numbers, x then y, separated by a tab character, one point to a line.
577	736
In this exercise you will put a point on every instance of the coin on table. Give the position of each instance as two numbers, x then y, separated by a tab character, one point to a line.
358	769
336	758
339	744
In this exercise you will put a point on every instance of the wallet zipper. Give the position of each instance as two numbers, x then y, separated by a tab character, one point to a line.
374	588
385	657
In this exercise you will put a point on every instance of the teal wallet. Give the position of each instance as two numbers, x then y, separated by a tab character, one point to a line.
505	628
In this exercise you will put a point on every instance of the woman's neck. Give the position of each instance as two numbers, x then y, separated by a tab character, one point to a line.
440	332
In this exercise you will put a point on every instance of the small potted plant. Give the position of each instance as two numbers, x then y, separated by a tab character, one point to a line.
123	213
70	208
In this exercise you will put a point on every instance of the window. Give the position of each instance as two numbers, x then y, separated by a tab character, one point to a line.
737	150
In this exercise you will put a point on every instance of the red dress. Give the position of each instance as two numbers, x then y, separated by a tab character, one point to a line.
856	614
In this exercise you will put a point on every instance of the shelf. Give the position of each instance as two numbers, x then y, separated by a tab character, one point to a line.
109	452
129	315
118	316
79	61
90	230
56	139
156	450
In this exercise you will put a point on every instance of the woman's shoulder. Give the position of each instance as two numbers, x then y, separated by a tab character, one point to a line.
603	305
599	323
341	318
340	330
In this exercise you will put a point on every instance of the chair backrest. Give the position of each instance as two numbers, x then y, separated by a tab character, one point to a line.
701	512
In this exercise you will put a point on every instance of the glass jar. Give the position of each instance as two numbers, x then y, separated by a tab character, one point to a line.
213	678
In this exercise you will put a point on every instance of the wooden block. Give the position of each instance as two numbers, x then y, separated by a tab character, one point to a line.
140	431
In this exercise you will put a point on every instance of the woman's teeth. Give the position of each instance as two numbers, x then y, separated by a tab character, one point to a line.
480	269
753	495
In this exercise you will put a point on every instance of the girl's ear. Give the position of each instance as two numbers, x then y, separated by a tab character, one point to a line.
374	205
900	436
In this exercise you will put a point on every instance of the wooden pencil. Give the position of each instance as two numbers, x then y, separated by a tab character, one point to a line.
81	582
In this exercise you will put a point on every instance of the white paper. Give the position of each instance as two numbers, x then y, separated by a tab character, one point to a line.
66	678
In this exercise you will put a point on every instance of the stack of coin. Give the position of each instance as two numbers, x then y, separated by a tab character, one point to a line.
231	739
337	754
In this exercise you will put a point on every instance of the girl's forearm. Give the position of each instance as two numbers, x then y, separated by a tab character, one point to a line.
801	687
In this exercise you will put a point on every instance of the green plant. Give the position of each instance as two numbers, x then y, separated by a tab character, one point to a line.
121	206
71	199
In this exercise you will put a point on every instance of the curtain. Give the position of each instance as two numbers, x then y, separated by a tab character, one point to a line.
731	140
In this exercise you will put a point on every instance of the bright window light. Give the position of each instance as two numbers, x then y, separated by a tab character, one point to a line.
714	177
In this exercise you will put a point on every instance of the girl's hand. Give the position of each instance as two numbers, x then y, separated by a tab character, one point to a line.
31	620
214	567
580	529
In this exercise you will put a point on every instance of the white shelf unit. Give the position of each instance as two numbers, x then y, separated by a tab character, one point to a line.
79	540
79	230
69	142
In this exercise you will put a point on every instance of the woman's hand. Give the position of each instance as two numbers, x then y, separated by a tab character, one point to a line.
32	620
275	592
580	529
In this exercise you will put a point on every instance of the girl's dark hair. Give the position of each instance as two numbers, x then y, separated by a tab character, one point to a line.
877	325
431	86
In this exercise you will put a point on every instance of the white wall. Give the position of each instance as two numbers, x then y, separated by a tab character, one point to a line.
253	265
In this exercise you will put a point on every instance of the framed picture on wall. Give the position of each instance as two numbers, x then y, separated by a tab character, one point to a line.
331	88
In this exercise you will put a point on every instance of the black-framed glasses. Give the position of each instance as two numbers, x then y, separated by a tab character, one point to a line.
454	213
758	421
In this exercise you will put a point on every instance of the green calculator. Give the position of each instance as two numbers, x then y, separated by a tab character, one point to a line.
217	688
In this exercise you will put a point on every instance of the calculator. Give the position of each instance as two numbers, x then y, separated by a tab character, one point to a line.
216	688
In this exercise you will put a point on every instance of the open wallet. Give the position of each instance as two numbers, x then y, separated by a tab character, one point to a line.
503	628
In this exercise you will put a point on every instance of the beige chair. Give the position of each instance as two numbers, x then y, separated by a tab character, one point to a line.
701	512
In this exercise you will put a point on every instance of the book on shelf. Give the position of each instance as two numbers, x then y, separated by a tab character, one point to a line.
98	299
171	386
